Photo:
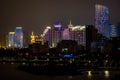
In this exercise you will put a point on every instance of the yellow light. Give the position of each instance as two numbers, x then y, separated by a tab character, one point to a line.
89	74
11	32
106	73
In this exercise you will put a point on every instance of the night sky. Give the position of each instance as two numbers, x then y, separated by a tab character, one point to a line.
35	15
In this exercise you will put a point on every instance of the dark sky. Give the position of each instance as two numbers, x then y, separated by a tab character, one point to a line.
35	15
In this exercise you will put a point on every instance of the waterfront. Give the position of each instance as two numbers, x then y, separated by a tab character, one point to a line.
10	71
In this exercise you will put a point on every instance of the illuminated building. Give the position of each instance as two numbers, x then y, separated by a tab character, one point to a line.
47	35
78	33
57	33
32	38
84	35
18	37
11	39
102	20
66	35
39	47
114	31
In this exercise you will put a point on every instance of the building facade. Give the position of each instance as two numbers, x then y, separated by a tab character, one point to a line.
11	36
102	20
18	37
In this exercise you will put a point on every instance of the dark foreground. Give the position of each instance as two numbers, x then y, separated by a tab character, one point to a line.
22	72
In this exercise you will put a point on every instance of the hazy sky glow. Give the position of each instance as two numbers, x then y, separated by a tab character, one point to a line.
35	15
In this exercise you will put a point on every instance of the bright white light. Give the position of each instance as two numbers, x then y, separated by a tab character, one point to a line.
46	30
89	73
78	28
59	25
11	32
106	73
18	27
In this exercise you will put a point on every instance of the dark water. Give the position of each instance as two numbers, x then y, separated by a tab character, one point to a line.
10	72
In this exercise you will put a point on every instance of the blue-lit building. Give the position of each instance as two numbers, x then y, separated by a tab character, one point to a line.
18	37
114	31
102	20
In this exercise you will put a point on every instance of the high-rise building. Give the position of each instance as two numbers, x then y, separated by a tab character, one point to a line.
18	37
57	33
102	20
47	35
66	34
78	33
113	31
11	36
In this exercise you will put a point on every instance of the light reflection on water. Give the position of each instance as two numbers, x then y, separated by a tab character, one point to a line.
89	74
93	75
107	74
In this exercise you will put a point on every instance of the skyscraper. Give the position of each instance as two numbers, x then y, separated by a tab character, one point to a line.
102	20
78	33
11	39
66	34
18	37
57	33
47	35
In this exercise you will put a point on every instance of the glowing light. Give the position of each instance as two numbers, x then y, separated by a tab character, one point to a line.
27	54
18	27
12	62
46	30
89	74
106	73
78	28
48	54
11	32
58	25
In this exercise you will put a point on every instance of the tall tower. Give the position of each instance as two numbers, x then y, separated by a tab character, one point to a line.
57	33
102	20
18	37
47	35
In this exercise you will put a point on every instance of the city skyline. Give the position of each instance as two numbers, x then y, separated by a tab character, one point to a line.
39	14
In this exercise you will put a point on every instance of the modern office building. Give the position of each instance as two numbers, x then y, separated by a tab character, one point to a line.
102	20
114	31
18	37
11	37
78	33
66	34
57	33
47	35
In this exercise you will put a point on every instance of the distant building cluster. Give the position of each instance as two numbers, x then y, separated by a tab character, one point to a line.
90	36
16	38
76	33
